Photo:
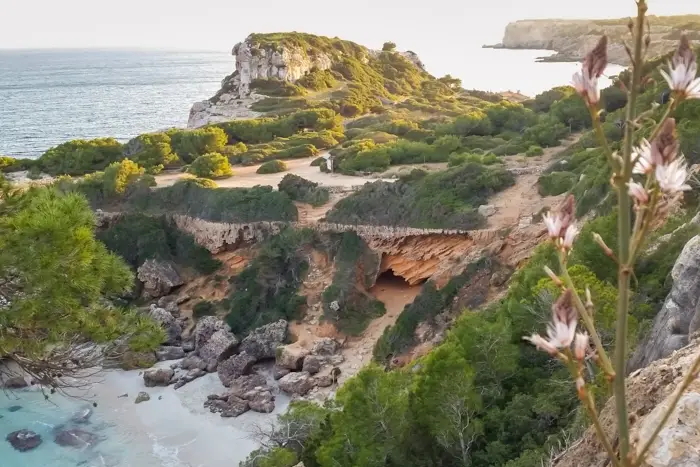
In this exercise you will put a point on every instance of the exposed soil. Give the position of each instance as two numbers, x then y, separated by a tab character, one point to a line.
309	214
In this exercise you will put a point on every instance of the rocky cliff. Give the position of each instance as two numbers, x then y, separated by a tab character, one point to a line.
572	39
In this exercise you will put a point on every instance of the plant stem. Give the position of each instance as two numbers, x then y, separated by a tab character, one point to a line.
600	133
590	406
624	232
587	320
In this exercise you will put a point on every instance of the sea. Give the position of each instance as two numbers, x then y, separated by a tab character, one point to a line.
48	97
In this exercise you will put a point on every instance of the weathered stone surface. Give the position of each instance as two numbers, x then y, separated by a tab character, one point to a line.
131	360
325	346
169	352
75	437
158	377
235	366
649	393
189	376
263	341
297	383
24	440
278	372
313	364
142	397
82	416
487	210
169	304
291	357
220	345
227	406
260	399
193	361
323	381
172	329
247	383
14	382
680	315
158	277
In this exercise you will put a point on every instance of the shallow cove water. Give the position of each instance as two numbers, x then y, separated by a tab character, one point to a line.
172	429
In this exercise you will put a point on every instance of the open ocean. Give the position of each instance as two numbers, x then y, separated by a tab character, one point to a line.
48	97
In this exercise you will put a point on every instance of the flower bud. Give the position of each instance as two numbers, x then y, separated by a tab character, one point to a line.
597	59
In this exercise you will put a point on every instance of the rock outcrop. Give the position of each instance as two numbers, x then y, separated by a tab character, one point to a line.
291	357
297	383
24	440
173	330
680	315
158	277
572	39
648	395
159	377
263	341
236	366
286	63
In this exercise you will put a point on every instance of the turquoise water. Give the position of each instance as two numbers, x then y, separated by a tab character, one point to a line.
173	429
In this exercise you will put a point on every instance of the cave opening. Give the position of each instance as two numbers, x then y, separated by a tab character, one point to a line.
394	292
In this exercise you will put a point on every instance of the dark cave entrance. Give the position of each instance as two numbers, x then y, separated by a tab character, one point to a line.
394	292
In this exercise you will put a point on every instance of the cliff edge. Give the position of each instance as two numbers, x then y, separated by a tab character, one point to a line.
572	39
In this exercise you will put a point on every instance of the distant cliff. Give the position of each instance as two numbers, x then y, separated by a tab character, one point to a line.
571	39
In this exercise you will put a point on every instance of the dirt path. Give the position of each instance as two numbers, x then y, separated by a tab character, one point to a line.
245	177
522	200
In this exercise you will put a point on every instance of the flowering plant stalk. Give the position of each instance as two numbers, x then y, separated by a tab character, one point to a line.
648	175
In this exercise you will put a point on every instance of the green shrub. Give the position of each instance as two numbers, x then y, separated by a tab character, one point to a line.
233	152
272	167
462	158
10	164
297	152
556	183
389	47
534	151
190	144
212	165
119	175
276	87
151	151
203	182
79	156
300	189
204	308
318	80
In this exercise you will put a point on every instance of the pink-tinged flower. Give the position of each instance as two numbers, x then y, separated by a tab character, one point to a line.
562	329
638	193
642	154
664	148
594	63
580	345
553	223
570	235
542	344
673	177
682	71
586	86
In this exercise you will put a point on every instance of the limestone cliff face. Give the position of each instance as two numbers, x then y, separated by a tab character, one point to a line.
234	99
572	39
219	236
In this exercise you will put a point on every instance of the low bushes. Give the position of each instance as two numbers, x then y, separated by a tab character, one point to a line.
212	165
556	183
272	167
534	151
79	157
300	189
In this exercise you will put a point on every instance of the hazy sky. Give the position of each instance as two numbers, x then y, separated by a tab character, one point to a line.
218	24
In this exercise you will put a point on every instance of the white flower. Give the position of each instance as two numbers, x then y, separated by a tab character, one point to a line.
553	223
580	384
542	344
642	154
673	176
580	345
570	236
587	86
562	329
682	70
637	191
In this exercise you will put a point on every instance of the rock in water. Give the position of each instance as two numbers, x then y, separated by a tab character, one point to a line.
158	277
142	397
247	383
24	440
297	383
219	346
75	437
172	329
14	408
14	382
291	357
263	342
169	352
159	377
236	366
82	416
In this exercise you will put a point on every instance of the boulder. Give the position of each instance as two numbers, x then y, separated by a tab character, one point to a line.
75	437
487	210
234	367
323	381
219	346
169	303
158	277
24	440
172	329
313	364
131	360
82	416
14	382
680	315
142	397
188	345
278	372
263	342
291	357
227	406
325	346
297	383
190	376
193	361
247	383
169	352
260	400
159	377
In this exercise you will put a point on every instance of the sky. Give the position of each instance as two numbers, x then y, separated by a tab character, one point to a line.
219	24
